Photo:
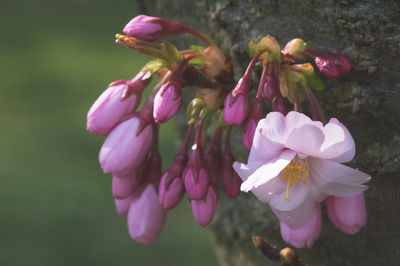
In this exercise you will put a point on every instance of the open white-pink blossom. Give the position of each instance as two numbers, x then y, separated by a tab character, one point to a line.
295	162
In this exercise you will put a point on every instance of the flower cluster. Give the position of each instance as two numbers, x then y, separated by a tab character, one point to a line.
295	162
142	192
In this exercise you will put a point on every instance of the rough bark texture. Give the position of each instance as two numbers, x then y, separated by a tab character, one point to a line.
367	101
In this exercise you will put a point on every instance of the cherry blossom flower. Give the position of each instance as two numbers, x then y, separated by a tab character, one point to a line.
295	162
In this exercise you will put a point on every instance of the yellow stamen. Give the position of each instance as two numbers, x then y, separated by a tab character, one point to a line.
124	38
295	170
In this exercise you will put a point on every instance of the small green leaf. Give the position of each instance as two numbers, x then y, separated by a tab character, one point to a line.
154	65
275	57
314	82
171	51
197	62
197	48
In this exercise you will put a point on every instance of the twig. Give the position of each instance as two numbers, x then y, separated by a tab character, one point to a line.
286	255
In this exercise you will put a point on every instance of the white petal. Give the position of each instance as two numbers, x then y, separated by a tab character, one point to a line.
297	194
270	189
339	144
337	179
298	216
306	139
244	171
268	138
268	171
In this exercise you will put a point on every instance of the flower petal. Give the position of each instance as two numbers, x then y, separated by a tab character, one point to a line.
306	139
268	171
244	171
297	195
307	234
339	144
268	138
270	189
337	179
295	120
297	217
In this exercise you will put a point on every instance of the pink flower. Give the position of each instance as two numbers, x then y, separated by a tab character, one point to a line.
295	162
329	64
123	186
230	180
109	108
203	210
167	102
171	191
125	147
279	105
236	108
347	213
150	29
327	68
305	235
122	204
251	122
195	175
146	217
271	85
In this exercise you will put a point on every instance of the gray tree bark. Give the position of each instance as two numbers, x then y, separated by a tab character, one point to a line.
367	101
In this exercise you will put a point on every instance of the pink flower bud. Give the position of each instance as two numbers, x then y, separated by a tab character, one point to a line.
279	105
125	147
329	64
122	205
236	108
347	213
109	108
137	84
150	29
342	63
327	68
167	102
171	188
230	180
203	210
171	191
195	175
196	180
271	85
249	127
305	235
146	217
123	186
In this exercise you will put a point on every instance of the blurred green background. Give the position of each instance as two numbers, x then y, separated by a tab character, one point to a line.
56	207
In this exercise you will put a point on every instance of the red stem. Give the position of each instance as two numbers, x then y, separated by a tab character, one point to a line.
262	81
187	138
198	35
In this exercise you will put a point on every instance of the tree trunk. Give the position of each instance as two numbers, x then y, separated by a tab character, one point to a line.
367	101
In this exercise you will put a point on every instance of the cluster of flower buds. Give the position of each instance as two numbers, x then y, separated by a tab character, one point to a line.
142	192
282	77
278	159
